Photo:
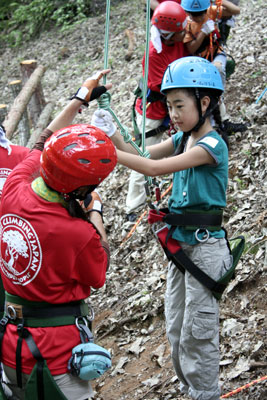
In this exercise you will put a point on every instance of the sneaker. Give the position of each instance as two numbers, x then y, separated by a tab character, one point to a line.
233	127
132	217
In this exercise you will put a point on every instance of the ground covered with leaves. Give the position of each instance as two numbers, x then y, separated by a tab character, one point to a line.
129	308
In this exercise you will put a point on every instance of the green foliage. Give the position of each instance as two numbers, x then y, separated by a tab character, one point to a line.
25	19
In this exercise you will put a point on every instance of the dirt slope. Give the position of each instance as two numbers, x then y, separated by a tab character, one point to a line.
129	309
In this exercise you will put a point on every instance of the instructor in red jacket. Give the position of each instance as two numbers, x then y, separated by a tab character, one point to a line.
52	253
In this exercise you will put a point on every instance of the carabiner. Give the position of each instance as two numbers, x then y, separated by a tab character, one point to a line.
205	238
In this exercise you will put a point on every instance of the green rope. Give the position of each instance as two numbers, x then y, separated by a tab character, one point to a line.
104	100
145	74
106	39
104	103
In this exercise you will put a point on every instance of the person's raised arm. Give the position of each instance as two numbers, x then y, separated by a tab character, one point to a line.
89	91
229	8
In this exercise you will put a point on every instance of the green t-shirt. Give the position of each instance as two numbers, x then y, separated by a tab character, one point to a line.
201	188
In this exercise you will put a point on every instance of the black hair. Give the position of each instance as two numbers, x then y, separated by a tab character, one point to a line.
213	109
197	13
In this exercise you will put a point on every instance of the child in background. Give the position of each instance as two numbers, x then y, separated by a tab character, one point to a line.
203	40
197	156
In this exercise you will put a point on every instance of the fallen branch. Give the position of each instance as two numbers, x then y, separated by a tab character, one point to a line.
130	36
12	119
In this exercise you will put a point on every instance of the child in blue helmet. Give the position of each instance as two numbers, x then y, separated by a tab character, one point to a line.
203	39
198	158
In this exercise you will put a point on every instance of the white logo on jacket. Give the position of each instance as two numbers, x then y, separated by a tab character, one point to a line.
4	172
21	253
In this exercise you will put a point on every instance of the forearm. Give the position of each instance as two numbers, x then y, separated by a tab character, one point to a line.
120	144
96	219
66	116
194	45
229	9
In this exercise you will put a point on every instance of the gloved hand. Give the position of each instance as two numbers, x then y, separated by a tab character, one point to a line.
102	119
93	202
208	27
90	89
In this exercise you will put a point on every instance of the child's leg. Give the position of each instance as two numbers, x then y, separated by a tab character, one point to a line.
199	342
174	314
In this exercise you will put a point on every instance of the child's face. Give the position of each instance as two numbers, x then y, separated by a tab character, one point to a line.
182	109
176	37
199	18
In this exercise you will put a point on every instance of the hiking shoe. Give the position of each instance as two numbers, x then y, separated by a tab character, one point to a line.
232	127
132	217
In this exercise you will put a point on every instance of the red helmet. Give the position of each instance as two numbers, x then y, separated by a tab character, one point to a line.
78	155
169	16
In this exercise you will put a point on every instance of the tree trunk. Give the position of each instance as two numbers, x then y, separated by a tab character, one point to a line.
43	122
21	101
23	126
37	101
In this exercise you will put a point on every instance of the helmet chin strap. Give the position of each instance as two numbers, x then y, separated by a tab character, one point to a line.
202	118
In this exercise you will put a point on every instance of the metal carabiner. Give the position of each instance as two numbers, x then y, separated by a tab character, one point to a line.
206	237
84	320
11	313
90	317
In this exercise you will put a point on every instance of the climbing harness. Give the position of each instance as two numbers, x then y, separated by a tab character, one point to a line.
24	314
201	222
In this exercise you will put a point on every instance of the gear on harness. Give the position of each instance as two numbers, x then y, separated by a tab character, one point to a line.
175	253
24	313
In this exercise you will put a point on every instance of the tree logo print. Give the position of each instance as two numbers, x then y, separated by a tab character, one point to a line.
21	253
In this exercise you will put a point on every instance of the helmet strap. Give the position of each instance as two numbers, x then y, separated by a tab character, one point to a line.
202	118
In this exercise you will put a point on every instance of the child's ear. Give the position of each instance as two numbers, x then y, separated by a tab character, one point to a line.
205	102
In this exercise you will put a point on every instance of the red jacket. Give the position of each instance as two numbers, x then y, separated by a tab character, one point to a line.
8	162
158	62
47	255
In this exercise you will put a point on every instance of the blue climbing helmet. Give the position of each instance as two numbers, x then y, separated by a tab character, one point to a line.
195	5
191	72
199	75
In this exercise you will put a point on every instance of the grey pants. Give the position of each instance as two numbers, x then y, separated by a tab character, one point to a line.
192	320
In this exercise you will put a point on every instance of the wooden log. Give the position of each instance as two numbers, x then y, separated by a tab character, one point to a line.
130	36
43	122
3	112
23	126
37	101
12	119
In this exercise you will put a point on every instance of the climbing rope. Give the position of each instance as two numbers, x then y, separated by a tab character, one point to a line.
230	394
104	100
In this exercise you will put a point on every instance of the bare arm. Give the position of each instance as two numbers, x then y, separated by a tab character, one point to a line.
229	9
153	4
192	158
194	45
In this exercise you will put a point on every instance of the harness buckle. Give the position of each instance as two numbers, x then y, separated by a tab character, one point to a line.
205	238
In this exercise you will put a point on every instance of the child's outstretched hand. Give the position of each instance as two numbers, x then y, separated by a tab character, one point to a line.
208	27
90	88
102	119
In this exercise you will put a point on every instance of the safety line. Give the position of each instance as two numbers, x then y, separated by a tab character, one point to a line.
225	396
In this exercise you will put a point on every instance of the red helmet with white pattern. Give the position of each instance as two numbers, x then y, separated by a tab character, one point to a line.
169	16
78	155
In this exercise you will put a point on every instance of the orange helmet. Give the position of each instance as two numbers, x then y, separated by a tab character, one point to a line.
78	155
169	16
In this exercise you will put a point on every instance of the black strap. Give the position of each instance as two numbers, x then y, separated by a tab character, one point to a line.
194	219
152	132
183	260
52	311
25	334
